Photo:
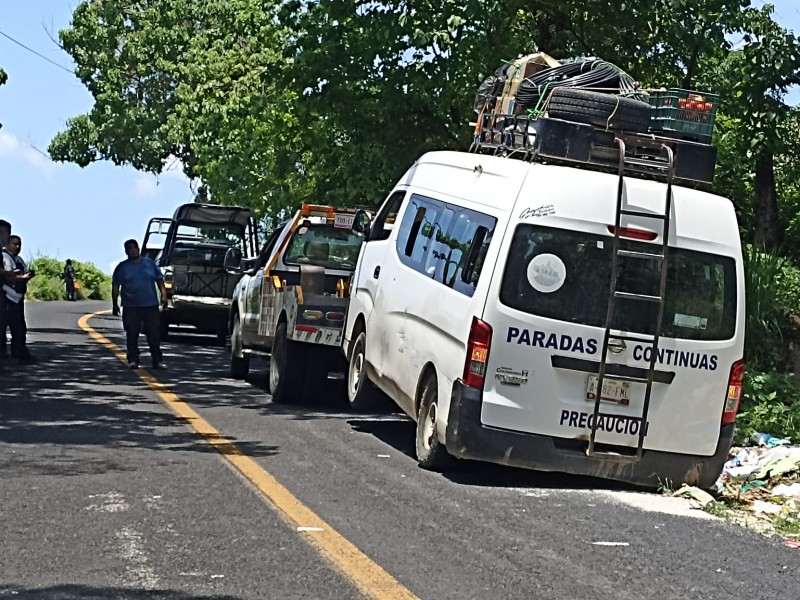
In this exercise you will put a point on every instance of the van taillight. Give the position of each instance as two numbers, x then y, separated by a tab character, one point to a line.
734	395
480	338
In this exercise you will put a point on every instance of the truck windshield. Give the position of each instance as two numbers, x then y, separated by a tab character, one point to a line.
565	275
324	246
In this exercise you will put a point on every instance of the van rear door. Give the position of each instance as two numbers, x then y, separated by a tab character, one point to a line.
548	301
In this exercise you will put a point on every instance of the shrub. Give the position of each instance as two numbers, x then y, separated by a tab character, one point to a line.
49	281
45	288
770	404
765	312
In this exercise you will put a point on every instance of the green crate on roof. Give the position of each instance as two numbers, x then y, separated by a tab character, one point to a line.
684	113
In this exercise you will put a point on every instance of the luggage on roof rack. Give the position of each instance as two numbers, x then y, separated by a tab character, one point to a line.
546	139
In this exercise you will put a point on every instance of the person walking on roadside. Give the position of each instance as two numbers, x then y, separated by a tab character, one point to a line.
138	277
5	237
69	280
14	287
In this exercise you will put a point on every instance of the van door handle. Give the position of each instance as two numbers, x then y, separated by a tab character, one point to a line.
376	272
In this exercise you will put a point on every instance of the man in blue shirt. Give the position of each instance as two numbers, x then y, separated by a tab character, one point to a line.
138	277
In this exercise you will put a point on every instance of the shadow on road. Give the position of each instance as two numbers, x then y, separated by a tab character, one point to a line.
83	592
400	434
79	394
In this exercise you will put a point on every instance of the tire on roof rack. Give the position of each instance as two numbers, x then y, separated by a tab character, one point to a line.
601	110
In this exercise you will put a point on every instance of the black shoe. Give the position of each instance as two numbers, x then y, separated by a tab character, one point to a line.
160	366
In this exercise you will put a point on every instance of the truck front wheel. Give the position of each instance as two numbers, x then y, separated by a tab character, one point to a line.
240	364
285	368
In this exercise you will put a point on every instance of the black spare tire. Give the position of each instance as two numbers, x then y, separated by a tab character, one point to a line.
601	110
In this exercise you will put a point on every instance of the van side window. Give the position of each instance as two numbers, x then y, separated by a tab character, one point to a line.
445	242
384	222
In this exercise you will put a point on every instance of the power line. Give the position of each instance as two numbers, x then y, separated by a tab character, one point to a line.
42	56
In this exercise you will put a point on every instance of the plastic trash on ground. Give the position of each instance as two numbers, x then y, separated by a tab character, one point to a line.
760	506
789	491
697	497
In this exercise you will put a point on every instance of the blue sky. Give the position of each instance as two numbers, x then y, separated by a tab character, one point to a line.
62	210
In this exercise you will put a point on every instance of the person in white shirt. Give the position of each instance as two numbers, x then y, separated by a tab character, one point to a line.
5	235
15	284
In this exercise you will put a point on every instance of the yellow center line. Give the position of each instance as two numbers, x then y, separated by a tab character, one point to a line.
365	574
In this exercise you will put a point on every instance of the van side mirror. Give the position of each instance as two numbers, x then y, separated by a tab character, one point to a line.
362	221
233	260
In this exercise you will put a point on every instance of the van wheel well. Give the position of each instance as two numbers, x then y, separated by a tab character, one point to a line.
427	371
360	326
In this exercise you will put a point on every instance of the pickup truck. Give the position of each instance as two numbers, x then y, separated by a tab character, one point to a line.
201	256
291	305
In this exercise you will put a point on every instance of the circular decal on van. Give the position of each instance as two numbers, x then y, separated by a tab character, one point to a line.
546	273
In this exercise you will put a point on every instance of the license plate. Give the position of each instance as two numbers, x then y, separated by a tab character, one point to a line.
618	392
344	220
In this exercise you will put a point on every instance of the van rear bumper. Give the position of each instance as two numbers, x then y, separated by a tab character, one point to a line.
466	437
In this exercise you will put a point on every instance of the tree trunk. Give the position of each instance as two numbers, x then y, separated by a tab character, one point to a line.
768	231
546	34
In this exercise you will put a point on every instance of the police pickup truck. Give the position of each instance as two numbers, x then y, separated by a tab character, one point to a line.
291	305
200	251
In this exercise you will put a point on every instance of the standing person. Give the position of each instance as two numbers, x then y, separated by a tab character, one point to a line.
17	275
5	235
138	277
69	280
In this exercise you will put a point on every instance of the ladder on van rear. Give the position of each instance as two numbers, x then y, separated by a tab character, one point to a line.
662	165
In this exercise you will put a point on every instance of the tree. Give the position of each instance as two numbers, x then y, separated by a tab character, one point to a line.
3	79
761	72
274	103
127	55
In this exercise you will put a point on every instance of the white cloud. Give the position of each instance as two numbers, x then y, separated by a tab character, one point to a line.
11	147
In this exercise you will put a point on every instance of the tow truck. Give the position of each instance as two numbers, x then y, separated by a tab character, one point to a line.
291	305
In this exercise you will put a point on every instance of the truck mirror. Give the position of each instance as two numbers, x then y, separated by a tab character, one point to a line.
361	222
233	260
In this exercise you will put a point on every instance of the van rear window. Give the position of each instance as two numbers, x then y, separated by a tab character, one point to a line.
565	275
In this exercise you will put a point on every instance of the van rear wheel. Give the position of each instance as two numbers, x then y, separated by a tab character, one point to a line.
362	394
431	453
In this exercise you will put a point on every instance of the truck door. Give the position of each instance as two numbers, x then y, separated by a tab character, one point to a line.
252	294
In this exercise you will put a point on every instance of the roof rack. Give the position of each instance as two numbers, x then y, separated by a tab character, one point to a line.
544	139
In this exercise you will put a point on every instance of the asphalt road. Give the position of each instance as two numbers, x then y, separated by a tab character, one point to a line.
105	492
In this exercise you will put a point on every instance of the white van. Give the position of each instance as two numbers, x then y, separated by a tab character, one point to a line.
479	306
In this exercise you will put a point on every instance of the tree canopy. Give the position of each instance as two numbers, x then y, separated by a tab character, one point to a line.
3	79
273	103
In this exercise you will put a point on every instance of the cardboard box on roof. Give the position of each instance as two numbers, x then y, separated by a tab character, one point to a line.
520	69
